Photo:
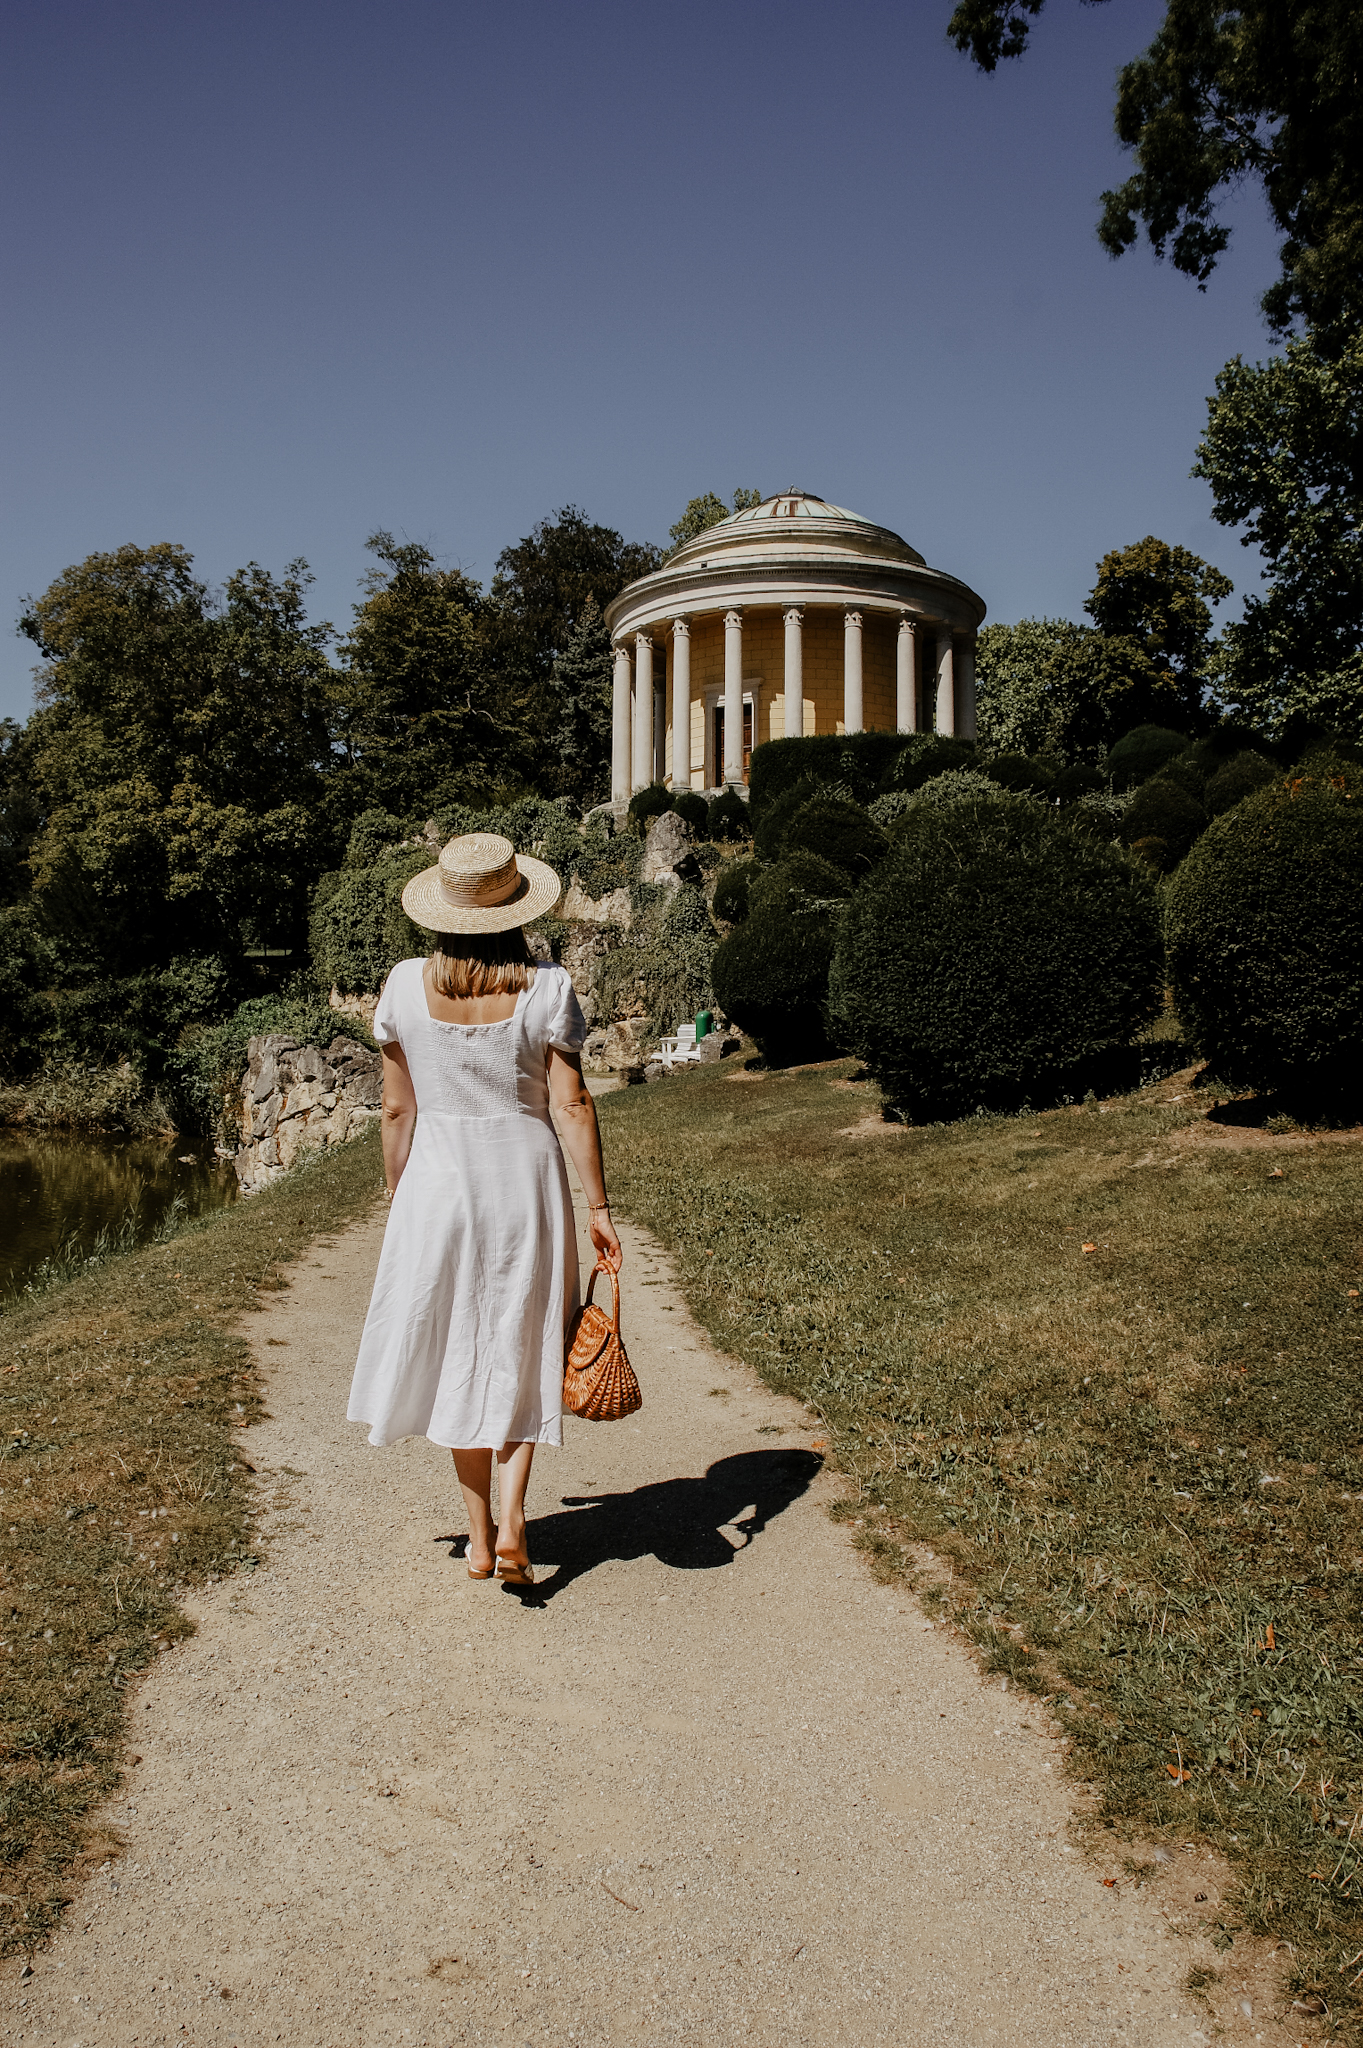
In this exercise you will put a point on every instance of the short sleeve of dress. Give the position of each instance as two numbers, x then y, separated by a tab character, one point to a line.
385	1024
567	1025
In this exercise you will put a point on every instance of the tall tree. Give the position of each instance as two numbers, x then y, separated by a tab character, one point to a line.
583	680
177	753
1158	596
1283	453
704	512
1268	90
416	713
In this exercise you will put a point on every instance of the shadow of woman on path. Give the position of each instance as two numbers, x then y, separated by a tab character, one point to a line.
681	1522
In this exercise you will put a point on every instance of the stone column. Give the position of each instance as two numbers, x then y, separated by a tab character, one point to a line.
660	730
794	724
965	688
643	710
733	698
620	755
946	682
681	703
906	677
851	671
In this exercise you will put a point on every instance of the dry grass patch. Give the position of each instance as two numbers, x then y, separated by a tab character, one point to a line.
1121	1403
122	1482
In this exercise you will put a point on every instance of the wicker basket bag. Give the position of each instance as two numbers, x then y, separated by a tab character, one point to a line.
598	1379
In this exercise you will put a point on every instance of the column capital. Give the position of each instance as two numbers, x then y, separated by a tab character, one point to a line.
794	615
907	622
851	618
681	625
642	639
733	617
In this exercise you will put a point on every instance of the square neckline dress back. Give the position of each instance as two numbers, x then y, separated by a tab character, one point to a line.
478	1275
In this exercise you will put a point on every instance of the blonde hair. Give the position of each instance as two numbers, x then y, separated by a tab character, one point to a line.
482	963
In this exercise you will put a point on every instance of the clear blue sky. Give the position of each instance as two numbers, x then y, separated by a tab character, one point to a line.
281	274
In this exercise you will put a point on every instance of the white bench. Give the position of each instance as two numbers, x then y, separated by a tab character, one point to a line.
680	1049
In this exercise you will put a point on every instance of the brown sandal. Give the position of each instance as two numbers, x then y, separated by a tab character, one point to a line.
513	1574
491	1571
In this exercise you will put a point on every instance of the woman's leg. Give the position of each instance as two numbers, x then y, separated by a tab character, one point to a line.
474	1469
513	1476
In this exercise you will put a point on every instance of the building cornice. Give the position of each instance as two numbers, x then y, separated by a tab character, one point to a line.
802	580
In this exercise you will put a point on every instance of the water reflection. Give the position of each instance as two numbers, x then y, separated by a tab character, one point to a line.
56	1188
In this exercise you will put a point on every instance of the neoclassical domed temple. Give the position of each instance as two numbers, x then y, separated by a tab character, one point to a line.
792	617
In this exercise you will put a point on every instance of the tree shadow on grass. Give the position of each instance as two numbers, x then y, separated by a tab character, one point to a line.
681	1522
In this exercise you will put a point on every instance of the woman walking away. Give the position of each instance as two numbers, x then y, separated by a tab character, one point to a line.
478	1276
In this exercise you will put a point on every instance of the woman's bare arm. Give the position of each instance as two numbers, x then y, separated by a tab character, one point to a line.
399	1114
576	1113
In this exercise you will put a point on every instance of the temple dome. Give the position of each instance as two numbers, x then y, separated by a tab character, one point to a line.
822	529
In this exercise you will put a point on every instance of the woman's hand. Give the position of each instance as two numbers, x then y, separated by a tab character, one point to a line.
604	1239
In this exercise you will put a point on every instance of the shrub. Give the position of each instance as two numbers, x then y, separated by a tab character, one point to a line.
992	954
359	929
372	833
661	968
1266	936
606	860
686	915
1236	779
1162	809
858	759
731	891
728	817
954	786
839	832
1141	753
799	883
887	809
771	979
691	806
1187	772
923	755
1072	783
769	832
647	804
1018	773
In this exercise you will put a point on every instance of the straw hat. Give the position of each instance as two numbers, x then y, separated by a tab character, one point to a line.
480	885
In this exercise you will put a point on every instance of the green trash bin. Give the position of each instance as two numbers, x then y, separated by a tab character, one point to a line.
705	1024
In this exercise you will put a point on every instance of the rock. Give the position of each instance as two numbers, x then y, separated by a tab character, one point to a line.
295	1099
354	1006
611	909
667	851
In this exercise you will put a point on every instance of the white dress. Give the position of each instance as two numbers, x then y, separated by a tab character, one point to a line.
478	1275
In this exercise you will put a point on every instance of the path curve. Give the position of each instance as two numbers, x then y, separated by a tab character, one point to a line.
716	1786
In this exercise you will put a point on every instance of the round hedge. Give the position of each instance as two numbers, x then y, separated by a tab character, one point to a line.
769	832
1265	932
730	900
1238	778
924	755
770	977
1163	809
1017	772
794	882
991	955
727	817
1142	752
839	832
647	804
1072	783
692	808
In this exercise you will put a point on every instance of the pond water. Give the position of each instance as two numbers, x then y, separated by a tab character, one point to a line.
60	1194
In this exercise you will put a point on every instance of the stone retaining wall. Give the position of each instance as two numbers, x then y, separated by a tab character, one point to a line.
296	1099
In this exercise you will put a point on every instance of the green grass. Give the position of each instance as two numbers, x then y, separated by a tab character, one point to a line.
1139	1468
122	1483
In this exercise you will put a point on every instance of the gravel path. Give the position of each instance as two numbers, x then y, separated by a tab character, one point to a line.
714	1786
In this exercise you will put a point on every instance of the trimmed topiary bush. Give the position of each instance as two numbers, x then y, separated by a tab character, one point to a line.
992	955
1265	932
1072	783
1141	753
839	832
769	832
730	901
728	817
857	759
1017	772
771	979
692	807
923	755
1238	778
953	786
800	882
647	804
1162	809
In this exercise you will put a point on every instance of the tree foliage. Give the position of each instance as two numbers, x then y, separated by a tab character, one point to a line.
1157	595
1267	90
1283	453
707	511
583	683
